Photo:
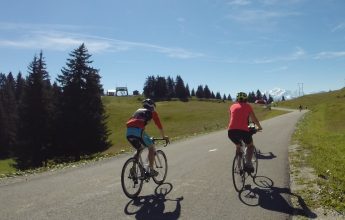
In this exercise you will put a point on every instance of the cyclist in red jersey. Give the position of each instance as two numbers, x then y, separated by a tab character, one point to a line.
240	113
136	134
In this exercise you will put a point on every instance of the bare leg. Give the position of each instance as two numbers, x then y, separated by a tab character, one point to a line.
151	156
250	150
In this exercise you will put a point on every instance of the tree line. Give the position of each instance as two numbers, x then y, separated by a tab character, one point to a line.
160	88
63	120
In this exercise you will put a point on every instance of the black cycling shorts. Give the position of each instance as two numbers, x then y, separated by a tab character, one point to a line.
236	136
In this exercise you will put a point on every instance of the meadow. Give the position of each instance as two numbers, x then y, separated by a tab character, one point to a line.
321	136
180	120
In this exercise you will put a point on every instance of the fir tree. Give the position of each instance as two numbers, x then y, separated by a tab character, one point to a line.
35	115
187	91
82	118
160	89
193	92
180	88
207	92
171	88
149	87
200	92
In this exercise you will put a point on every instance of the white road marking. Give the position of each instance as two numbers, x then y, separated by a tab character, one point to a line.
213	150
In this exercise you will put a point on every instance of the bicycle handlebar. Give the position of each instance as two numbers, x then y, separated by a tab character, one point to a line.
162	139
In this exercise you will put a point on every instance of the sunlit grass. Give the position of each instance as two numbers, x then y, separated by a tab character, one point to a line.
6	166
322	133
179	119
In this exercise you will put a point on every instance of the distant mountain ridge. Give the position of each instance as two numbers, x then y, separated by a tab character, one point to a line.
278	93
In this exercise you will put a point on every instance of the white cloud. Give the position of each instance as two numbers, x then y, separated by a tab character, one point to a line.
256	16
239	2
339	27
63	41
329	55
297	55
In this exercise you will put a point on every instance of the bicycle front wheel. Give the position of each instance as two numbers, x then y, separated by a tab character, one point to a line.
238	173
131	178
161	166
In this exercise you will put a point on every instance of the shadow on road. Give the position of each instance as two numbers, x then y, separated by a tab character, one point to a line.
153	206
265	156
265	195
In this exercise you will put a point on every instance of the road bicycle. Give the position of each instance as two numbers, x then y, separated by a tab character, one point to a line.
134	171
239	172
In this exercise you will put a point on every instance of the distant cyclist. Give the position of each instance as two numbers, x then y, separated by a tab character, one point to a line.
240	113
136	130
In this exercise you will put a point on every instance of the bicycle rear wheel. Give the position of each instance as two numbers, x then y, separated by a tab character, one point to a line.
131	178
238	173
161	166
255	162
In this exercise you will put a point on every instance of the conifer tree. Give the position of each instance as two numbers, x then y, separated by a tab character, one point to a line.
170	87
180	88
187	91
218	96
229	97
193	92
160	89
35	116
149	87
200	92
207	92
8	114
82	118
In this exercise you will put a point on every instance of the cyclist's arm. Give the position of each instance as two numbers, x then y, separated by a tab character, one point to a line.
158	123
255	120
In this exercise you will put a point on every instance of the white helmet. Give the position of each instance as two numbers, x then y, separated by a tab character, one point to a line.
149	104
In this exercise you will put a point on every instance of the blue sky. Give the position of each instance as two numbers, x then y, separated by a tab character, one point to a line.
229	45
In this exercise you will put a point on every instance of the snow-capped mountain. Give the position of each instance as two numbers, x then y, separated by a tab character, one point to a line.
278	93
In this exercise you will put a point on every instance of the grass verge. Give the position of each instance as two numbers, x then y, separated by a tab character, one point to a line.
321	136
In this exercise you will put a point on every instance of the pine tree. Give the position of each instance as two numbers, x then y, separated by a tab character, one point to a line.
8	114
170	88
230	98
160	89
193	92
35	115
187	91
149	87
207	92
3	118
270	99
180	88
82	118
213	96
200	92
258	95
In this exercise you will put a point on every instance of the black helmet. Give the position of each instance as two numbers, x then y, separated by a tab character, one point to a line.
242	97
149	104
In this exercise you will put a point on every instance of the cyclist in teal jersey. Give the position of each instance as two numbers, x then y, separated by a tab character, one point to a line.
136	134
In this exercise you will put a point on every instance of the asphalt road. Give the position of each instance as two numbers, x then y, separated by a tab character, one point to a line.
198	185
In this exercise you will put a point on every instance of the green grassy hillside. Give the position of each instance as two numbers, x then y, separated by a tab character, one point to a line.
179	119
322	134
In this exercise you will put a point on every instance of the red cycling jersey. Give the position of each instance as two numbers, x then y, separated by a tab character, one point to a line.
239	115
140	121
